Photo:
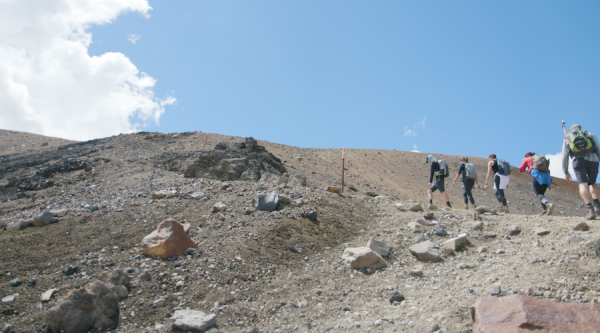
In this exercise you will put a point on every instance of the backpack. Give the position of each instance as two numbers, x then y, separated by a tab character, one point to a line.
470	172
443	169
503	167
540	162
579	143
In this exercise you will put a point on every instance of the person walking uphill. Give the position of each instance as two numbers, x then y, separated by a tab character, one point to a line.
469	179
585	150
439	169
501	170
537	165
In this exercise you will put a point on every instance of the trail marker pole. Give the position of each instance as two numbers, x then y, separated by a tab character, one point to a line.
343	160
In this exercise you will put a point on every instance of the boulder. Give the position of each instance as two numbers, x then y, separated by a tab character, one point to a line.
486	209
363	257
192	320
520	313
43	219
425	251
92	308
582	226
117	277
378	246
297	180
454	243
429	216
416	207
168	240
266	202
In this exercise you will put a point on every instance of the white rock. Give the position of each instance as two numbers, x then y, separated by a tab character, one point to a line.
363	257
192	320
425	251
378	246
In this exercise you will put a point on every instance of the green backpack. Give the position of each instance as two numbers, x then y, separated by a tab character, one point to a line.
579	143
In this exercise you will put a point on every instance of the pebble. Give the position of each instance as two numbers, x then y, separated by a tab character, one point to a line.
495	291
15	282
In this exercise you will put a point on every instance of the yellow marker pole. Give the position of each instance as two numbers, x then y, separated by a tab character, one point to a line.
343	160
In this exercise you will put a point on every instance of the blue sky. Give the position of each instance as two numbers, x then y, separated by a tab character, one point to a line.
462	77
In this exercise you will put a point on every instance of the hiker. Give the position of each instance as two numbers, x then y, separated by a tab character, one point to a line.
538	165
583	147
439	169
501	170
469	179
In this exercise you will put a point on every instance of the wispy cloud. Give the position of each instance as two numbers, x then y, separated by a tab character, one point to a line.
413	132
415	149
556	166
133	38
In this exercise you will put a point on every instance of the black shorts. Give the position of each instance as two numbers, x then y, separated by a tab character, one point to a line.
438	185
585	171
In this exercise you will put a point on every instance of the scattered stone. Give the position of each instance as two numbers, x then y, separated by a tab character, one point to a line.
284	199
482	249
477	226
309	214
513	230
116	277
159	303
15	282
363	257
541	231
371	194
48	294
8	299
168	240
396	297
427	223
219	207
441	232
23	224
295	249
574	240
432	207
70	270
454	243
192	320
197	195
43	219
434	328
416	271
121	291
518	313
429	216
8	328
146	276
416	207
401	207
95	307
582	226
496	291
297	180
380	247
334	189
486	209
476	217
266	202
352	188
32	282
425	251
163	194
414	226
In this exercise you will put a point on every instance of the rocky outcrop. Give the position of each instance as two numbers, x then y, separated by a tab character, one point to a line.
93	308
245	160
519	313
168	240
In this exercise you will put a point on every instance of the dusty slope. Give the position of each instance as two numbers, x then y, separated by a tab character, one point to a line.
272	288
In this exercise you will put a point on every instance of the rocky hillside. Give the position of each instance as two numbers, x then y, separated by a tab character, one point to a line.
279	271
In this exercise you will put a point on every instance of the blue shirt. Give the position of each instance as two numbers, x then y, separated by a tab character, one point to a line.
542	177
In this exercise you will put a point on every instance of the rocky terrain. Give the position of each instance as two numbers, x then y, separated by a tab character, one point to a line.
279	271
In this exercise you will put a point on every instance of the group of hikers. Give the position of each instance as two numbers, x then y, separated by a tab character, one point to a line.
578	144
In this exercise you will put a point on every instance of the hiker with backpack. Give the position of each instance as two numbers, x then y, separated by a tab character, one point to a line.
439	169
538	165
469	179
501	170
585	150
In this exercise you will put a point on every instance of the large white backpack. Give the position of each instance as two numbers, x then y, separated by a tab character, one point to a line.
470	172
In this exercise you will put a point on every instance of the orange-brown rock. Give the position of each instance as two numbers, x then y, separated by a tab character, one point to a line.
519	313
168	240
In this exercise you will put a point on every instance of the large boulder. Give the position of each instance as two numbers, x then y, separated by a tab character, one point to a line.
192	320
425	251
519	313
245	160
93	308
363	257
266	202
168	240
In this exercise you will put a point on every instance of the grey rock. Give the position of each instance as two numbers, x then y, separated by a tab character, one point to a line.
416	207
93	208
477	226
295	249
425	251
15	282
396	297
44	218
378	246
310	214
32	282
116	277
574	240
513	230
371	193
582	226
297	180
8	299
70	270
434	328
146	276
24	224
429	216
159	303
541	231
441	232
495	291
193	320
266	202
486	209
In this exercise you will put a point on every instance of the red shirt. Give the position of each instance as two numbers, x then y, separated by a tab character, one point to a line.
527	164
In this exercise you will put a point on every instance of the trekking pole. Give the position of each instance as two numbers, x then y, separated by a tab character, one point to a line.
564	128
343	160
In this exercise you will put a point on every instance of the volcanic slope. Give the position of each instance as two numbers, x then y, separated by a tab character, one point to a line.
243	270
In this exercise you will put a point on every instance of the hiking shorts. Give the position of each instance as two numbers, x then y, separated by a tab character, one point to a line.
585	171
438	185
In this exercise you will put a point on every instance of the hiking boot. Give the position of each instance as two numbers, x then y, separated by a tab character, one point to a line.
543	213
506	210
597	208
447	208
550	207
467	207
591	215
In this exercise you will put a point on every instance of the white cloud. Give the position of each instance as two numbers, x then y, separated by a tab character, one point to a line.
415	149
133	38
413	131
556	166
50	85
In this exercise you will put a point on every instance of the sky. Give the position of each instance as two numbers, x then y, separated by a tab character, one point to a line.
461	78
